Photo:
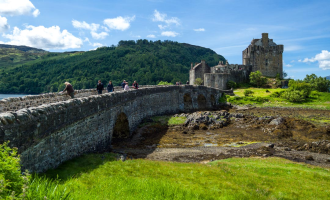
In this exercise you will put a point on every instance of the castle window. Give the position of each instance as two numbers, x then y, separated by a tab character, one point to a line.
266	62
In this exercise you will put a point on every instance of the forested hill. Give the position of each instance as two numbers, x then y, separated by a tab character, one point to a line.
11	55
145	61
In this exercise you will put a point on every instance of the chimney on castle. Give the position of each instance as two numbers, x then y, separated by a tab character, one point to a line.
264	39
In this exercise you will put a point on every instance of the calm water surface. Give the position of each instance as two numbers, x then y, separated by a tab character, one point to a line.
2	96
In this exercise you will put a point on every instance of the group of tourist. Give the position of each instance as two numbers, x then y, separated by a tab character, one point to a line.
100	87
125	86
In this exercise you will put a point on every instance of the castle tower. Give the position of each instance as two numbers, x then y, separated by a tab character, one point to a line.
265	56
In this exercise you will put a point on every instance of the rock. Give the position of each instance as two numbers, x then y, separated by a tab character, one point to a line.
271	145
276	121
195	127
203	127
184	132
328	159
287	149
264	155
122	157
309	157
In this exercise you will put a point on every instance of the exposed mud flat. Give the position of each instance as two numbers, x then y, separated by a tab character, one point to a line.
237	132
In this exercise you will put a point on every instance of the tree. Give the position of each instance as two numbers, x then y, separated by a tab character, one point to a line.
198	81
257	79
320	84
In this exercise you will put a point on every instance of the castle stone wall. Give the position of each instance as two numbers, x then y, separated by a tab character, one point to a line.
52	133
216	80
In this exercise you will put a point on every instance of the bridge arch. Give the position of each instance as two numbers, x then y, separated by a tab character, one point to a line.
201	100
213	101
187	100
121	127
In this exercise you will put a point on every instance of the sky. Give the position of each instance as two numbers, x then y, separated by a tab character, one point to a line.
225	26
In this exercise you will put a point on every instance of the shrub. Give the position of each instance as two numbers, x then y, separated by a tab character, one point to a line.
259	99
300	86
12	182
248	93
267	91
294	95
198	81
257	79
231	84
223	98
276	94
164	83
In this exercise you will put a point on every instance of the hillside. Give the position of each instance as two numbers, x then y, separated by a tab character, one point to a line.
145	61
327	77
11	55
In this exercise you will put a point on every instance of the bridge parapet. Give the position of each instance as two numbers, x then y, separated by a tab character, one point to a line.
52	133
17	103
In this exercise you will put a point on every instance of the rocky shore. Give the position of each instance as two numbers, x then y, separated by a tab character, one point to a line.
237	132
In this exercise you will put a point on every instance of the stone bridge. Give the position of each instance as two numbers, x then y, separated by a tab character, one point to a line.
52	132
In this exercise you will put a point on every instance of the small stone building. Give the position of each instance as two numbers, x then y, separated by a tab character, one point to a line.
262	54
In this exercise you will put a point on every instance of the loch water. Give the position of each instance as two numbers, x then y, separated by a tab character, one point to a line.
3	96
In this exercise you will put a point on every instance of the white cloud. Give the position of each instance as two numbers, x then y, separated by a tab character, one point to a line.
151	36
98	36
323	59
119	23
36	12
162	17
105	28
91	27
97	45
3	24
42	37
162	26
84	25
169	34
18	7
288	65
199	29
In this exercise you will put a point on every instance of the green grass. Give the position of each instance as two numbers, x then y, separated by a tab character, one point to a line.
100	176
318	100
169	120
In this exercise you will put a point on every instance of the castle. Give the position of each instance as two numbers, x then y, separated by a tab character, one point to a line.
261	55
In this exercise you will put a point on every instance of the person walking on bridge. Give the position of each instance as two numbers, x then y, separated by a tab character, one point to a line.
110	87
126	86
69	89
135	85
123	84
99	87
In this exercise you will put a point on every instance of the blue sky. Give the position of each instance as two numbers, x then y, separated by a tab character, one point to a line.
227	26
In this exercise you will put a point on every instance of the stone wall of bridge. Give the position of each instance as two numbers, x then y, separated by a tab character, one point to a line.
17	103
52	133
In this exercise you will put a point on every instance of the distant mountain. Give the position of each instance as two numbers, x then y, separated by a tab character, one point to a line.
147	62
11	55
328	77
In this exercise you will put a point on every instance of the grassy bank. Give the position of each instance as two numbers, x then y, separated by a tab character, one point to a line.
100	176
264	98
